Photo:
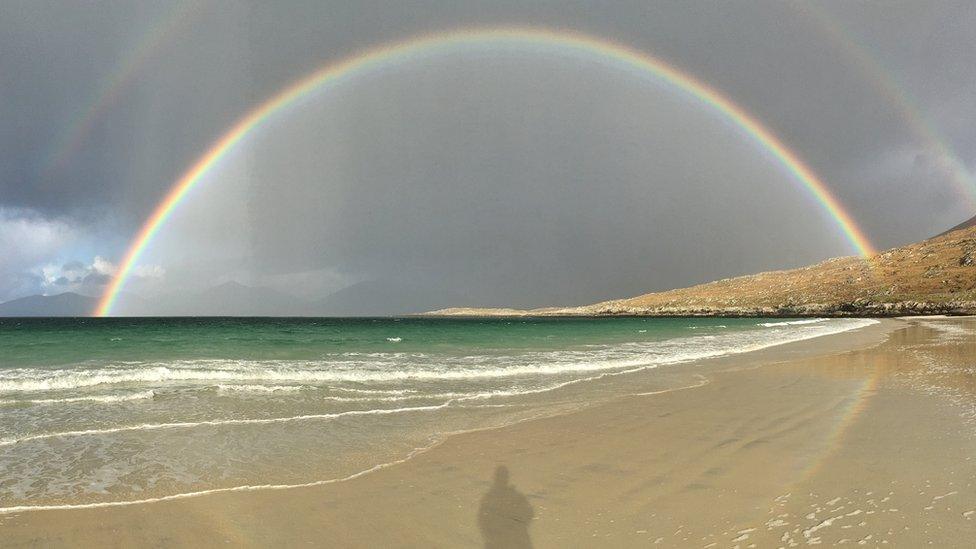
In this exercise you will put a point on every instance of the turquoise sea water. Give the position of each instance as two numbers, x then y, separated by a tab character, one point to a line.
110	410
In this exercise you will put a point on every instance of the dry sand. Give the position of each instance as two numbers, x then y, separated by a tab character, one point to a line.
865	438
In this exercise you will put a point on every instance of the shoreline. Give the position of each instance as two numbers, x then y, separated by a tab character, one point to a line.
818	344
86	525
616	309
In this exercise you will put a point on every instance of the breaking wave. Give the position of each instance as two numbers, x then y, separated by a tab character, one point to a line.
141	395
272	375
793	322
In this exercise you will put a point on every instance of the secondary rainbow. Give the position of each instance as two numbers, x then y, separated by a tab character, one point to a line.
565	43
120	79
948	161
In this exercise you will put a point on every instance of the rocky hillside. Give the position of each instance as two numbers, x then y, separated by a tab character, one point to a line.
936	276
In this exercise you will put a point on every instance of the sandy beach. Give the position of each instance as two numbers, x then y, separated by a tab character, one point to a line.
500	275
865	438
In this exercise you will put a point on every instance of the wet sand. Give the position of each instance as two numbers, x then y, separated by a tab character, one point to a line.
865	438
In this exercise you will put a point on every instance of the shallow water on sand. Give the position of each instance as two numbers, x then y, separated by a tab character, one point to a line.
108	410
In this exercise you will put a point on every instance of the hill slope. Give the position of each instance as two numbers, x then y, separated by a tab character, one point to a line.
971	222
935	276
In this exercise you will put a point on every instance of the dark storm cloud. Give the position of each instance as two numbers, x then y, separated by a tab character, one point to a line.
452	189
524	182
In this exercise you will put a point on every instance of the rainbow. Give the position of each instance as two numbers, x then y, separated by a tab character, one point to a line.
853	409
119	80
948	162
565	43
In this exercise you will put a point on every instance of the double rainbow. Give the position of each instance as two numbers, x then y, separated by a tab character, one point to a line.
560	42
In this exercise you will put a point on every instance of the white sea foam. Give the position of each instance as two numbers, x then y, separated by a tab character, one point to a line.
793	322
950	330
141	395
619	367
311	373
251	388
393	367
367	395
401	398
374	391
218	423
185	495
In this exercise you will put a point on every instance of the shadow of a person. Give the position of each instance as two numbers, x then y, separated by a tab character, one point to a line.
504	515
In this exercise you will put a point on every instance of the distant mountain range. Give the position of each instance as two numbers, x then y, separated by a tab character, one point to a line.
935	276
370	298
66	304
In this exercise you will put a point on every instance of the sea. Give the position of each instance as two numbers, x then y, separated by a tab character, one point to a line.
111	411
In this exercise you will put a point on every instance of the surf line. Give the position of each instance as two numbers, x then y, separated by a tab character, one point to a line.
223	422
187	495
528	39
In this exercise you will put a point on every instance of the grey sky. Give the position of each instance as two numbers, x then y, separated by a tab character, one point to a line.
509	178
